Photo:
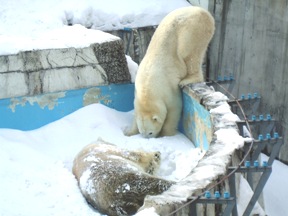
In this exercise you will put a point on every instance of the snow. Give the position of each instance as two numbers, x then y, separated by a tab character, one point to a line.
275	191
132	67
30	24
36	165
244	196
56	38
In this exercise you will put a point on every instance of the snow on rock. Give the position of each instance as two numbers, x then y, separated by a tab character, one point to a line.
75	36
61	62
30	24
111	14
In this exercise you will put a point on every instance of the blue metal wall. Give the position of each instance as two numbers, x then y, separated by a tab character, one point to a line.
28	113
196	122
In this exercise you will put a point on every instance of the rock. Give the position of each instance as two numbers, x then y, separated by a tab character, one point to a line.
35	72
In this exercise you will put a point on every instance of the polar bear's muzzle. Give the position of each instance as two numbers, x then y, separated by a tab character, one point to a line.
148	135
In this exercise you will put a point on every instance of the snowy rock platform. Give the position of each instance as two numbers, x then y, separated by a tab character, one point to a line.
58	62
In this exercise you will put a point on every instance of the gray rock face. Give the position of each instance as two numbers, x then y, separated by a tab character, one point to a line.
51	70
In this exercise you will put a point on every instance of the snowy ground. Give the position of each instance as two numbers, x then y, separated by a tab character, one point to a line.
36	165
275	191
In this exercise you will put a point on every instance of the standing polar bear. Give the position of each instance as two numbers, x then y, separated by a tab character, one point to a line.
173	59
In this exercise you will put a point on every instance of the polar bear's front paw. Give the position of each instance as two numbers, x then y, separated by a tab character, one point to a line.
183	83
154	163
194	78
130	132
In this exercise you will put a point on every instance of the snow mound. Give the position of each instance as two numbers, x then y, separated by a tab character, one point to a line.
36	165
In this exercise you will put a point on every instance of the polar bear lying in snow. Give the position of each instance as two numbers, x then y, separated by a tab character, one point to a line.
115	180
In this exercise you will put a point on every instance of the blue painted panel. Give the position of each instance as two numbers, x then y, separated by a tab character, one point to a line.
28	113
196	122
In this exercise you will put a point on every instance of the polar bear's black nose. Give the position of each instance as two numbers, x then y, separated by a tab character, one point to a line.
150	134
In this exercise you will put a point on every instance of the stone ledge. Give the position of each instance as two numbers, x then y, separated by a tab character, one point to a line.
45	71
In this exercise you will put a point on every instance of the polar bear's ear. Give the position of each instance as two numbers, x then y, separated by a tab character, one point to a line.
156	118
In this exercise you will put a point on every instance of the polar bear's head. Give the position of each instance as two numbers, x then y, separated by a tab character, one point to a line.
150	120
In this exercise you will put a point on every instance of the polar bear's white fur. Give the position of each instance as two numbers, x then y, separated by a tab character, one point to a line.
173	59
115	180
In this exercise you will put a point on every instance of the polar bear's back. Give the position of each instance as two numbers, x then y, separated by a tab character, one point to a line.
180	35
182	27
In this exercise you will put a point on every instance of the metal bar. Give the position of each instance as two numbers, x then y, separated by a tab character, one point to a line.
232	186
242	122
275	151
219	82
271	141
250	179
244	169
259	148
259	126
257	192
244	102
261	144
192	209
229	208
249	105
227	80
213	200
229	202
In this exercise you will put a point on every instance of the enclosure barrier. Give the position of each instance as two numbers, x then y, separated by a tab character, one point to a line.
256	174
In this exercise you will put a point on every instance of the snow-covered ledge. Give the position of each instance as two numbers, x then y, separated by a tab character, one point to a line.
221	133
71	57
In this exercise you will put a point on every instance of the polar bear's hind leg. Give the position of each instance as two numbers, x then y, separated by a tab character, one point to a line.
194	71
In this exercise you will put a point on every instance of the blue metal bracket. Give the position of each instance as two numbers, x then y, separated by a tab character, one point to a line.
226	80
230	202
259	126
259	145
250	105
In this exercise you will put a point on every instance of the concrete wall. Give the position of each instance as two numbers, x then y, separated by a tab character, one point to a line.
251	42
